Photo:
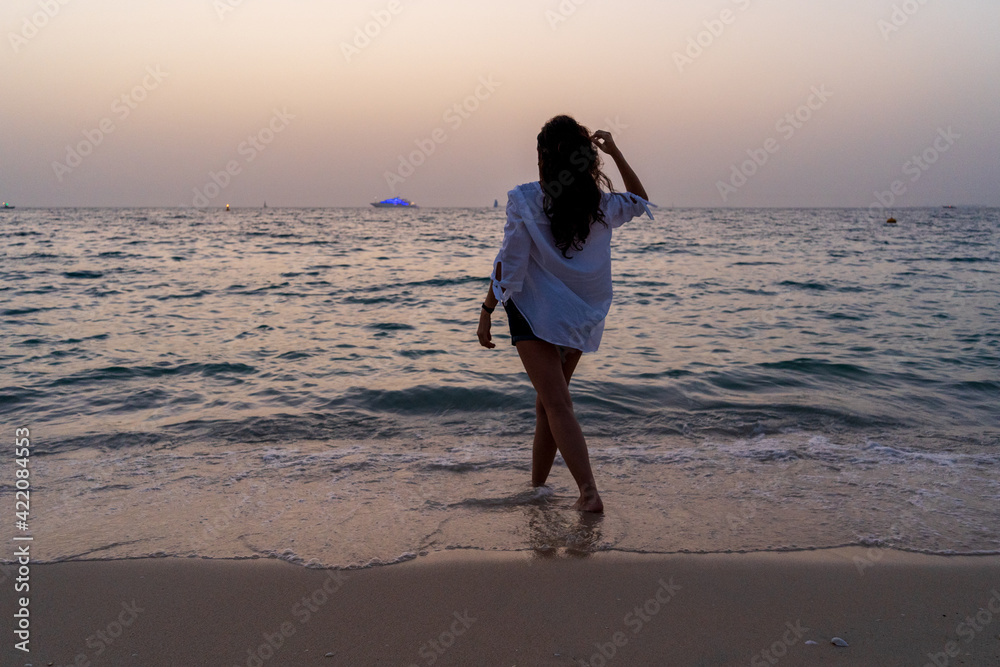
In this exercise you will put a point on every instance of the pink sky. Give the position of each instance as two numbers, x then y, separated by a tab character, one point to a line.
728	102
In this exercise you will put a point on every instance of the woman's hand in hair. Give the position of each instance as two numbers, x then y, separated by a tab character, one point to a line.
604	141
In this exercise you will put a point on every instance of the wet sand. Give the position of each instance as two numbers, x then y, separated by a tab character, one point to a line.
475	608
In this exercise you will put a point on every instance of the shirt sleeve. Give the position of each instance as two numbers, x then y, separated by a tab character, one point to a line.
620	207
513	255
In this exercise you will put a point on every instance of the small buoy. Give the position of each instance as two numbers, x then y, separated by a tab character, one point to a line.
227	207
890	221
837	641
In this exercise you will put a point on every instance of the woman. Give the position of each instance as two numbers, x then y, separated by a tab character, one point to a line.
555	263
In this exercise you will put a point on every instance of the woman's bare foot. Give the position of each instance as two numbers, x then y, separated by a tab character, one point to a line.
590	500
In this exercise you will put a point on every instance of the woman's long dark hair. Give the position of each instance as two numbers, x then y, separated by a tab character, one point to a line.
571	180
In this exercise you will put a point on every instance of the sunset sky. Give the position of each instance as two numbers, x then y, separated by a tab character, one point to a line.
209	102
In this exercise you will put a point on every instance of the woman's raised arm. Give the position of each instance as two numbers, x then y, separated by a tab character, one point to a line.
604	141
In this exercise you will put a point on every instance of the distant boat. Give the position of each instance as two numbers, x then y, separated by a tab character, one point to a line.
6	205
395	202
890	221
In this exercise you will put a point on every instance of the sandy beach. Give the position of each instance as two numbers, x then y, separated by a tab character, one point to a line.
474	608
291	296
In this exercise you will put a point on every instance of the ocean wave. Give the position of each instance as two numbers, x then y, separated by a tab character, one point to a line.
181	360
119	373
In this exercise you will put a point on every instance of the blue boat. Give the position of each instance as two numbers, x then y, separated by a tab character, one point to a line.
395	202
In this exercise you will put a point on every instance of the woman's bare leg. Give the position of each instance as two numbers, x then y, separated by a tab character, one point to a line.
545	369
543	450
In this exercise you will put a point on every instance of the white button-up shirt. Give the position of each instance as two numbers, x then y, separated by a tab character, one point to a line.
565	301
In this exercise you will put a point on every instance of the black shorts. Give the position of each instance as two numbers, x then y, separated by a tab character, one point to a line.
521	330
519	327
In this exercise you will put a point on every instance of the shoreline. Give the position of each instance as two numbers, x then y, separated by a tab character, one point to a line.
346	503
524	552
467	607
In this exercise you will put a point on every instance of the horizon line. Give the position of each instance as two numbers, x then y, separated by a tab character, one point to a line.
488	206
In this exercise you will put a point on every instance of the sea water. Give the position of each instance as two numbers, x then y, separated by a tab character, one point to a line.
307	384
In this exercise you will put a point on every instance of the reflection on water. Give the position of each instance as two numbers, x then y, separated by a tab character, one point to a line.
554	531
307	383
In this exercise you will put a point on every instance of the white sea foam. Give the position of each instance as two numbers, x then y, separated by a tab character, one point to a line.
368	503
